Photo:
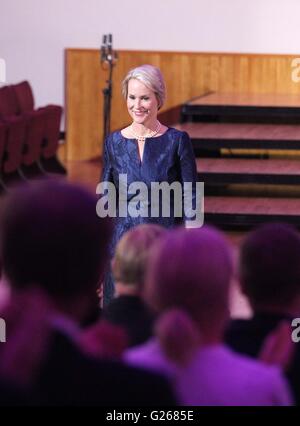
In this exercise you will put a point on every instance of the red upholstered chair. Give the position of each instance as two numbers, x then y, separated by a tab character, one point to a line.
13	151
51	117
24	97
8	102
48	160
31	123
31	136
35	124
52	130
12	137
3	134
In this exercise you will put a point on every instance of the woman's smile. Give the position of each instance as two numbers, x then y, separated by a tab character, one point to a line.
141	103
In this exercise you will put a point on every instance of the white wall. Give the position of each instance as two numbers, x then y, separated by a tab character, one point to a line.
34	33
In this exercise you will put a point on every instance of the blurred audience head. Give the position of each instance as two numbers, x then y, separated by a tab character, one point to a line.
188	282
131	257
270	266
52	238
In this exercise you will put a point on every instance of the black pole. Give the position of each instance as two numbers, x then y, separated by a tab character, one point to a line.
108	58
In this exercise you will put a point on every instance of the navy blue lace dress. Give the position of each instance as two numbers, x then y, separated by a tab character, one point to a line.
166	158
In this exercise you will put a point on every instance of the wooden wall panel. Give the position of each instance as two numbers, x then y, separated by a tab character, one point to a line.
187	75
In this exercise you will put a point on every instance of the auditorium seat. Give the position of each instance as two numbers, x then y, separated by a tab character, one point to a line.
3	134
8	102
24	97
31	136
49	117
12	160
34	137
12	137
25	134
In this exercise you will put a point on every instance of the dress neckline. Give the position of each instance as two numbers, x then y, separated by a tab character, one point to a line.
154	137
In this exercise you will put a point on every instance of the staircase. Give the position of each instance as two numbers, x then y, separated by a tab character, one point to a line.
236	139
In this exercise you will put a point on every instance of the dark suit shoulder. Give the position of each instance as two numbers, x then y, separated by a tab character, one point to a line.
131	313
69	377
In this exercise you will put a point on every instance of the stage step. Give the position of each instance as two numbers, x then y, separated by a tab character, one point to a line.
244	213
220	121
228	170
243	106
214	136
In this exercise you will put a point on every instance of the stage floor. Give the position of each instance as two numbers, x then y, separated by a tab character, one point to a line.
248	100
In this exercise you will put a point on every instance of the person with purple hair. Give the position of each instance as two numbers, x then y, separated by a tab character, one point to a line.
187	285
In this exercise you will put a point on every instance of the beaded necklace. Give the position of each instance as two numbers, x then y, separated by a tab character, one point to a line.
142	138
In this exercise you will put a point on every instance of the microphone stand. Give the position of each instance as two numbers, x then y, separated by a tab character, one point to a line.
109	59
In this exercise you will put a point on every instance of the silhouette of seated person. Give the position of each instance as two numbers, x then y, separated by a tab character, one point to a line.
128	309
270	278
187	284
21	355
51	238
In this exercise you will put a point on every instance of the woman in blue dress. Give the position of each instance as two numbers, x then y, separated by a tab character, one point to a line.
144	155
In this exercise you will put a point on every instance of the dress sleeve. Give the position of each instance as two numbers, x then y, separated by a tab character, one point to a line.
188	173
108	198
107	171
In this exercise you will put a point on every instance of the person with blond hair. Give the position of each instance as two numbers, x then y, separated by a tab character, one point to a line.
148	153
187	285
129	267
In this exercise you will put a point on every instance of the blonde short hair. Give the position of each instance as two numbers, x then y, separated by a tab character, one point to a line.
152	78
132	252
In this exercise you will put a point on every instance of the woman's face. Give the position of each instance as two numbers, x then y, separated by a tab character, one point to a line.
141	102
